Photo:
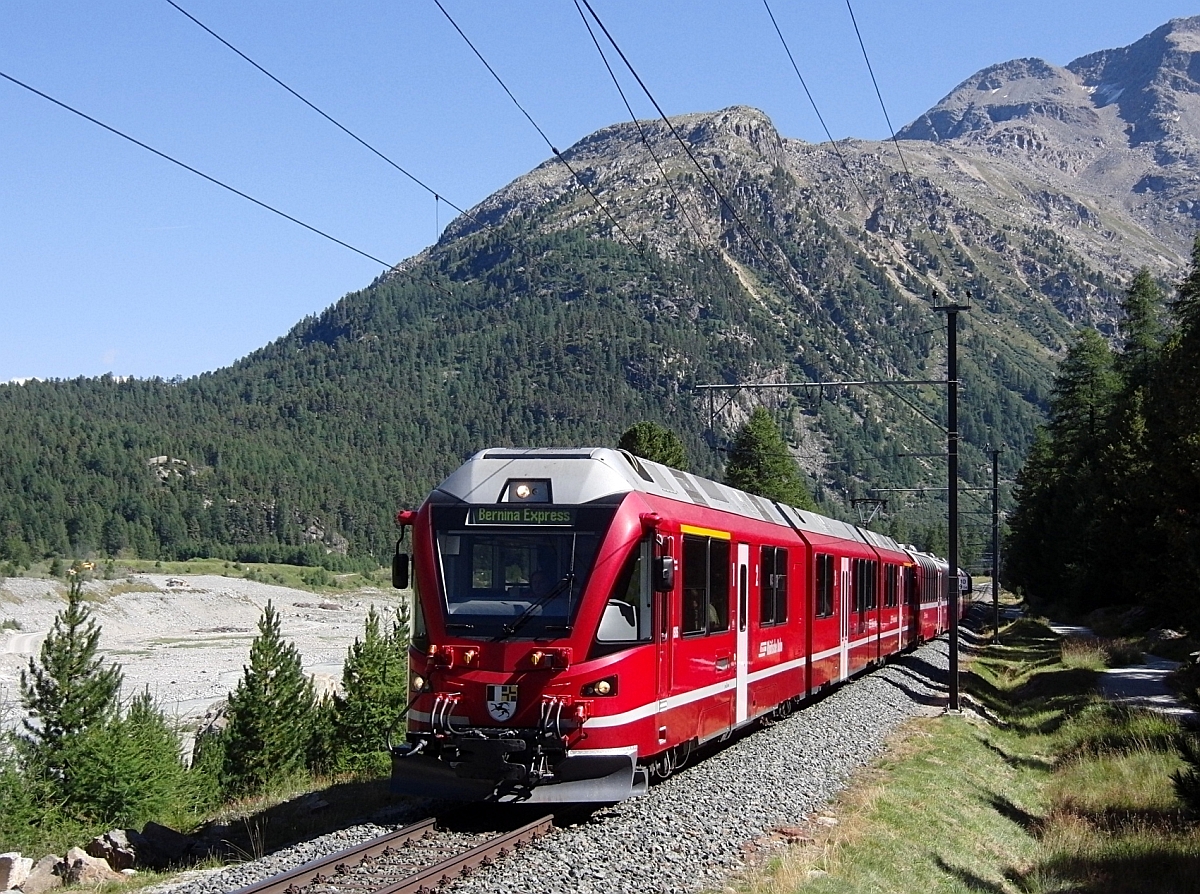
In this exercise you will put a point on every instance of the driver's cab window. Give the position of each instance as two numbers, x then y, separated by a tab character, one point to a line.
627	616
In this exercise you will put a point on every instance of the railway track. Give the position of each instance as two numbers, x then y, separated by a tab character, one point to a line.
417	859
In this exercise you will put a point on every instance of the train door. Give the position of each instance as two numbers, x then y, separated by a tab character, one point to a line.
844	612
662	638
743	630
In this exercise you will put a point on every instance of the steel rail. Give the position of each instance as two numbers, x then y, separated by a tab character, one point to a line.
434	877
303	875
423	881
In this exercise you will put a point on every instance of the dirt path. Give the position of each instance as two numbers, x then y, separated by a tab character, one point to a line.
1139	685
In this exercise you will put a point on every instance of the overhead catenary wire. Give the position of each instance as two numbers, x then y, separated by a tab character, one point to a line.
638	124
878	93
691	155
197	172
836	148
326	115
558	155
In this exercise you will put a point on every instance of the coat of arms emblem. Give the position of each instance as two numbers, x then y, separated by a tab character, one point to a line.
502	701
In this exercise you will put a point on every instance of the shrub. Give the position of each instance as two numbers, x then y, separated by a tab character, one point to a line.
127	770
375	693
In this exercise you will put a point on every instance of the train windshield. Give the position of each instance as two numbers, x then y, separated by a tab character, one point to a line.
515	572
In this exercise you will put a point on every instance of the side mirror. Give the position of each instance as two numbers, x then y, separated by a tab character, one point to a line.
664	574
400	569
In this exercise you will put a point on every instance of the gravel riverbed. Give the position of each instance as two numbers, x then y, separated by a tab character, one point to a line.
183	637
695	830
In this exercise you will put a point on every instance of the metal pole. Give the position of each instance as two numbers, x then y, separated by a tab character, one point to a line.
951	311
996	542
952	483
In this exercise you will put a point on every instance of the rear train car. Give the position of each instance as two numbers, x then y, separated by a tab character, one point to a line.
584	619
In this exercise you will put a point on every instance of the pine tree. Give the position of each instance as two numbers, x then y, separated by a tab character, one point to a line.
760	463
69	690
1056	529
270	714
127	770
656	443
375	692
1142	330
1173	442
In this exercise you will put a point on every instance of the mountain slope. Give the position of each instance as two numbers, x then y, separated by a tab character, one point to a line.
536	320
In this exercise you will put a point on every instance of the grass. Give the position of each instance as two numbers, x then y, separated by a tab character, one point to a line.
1056	791
296	577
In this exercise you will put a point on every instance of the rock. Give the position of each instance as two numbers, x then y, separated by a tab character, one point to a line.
165	847
83	869
14	869
115	848
213	723
46	875
1163	635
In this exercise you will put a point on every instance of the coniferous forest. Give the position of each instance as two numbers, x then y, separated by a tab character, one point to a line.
1108	501
531	333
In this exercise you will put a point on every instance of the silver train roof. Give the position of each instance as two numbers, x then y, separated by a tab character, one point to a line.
586	474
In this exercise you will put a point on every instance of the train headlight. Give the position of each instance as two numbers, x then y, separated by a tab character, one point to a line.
607	686
418	683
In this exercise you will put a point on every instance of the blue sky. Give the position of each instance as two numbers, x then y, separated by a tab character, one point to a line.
113	260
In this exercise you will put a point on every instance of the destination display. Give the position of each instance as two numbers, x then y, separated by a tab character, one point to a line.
521	515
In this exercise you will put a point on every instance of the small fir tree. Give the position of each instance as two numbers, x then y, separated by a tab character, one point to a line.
69	689
655	442
760	463
270	714
128	770
375	692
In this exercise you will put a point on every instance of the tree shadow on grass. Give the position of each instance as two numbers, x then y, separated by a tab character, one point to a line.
1156	871
1015	761
970	880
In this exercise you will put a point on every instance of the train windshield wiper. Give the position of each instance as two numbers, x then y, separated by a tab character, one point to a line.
510	629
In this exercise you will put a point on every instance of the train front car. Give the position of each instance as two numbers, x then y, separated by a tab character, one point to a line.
532	613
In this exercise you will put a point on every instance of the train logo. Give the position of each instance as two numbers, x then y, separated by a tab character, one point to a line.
501	702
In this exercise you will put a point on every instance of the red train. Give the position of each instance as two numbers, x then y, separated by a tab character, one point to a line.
583	619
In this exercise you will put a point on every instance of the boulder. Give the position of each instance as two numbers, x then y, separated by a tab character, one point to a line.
83	869
14	869
115	848
46	875
159	846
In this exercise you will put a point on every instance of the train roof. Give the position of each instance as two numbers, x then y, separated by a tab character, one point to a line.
591	474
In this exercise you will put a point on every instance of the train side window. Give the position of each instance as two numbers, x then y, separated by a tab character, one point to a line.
705	585
824	585
627	616
695	584
718	585
890	585
865	580
773	577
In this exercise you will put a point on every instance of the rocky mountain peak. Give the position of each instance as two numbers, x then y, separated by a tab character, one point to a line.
1154	83
1023	89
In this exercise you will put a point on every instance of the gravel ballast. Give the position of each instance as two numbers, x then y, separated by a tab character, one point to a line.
693	831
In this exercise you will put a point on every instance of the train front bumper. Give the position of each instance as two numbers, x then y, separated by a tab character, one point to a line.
483	773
